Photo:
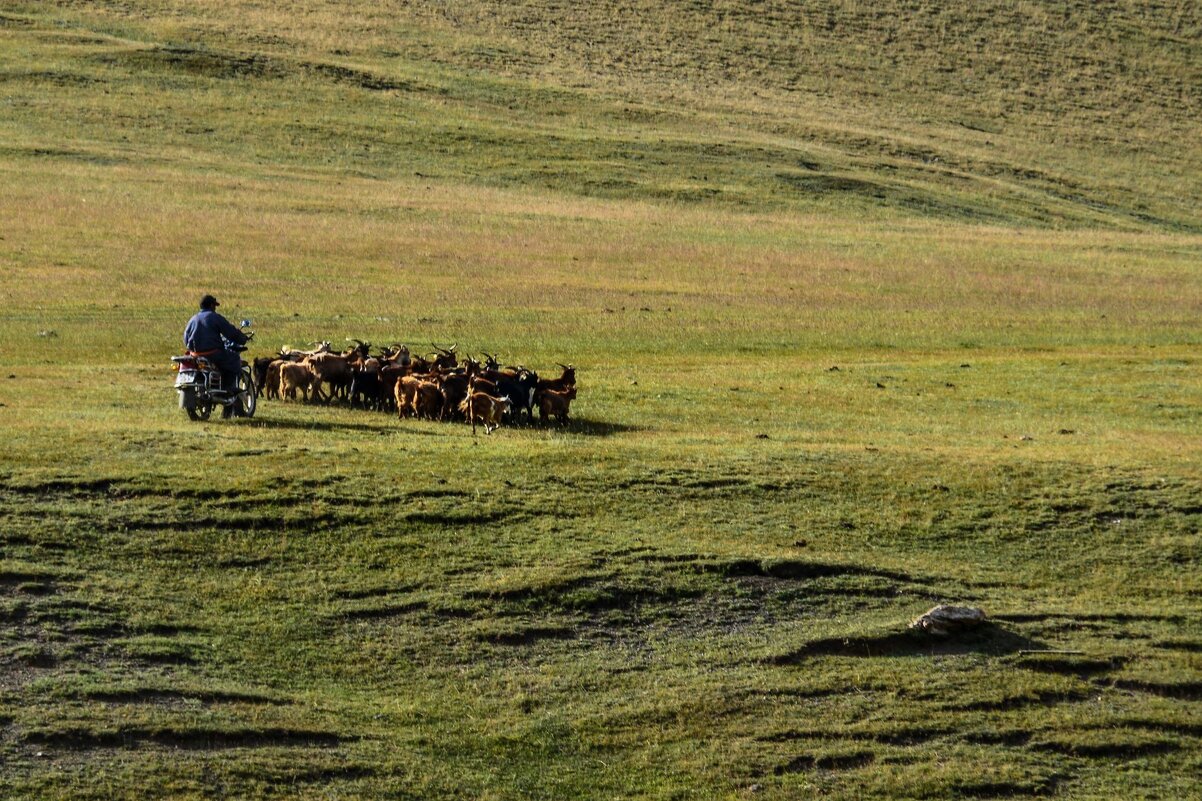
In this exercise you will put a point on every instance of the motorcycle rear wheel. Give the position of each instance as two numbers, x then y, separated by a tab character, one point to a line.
196	408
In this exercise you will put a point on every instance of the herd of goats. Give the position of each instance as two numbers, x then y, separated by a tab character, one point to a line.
435	386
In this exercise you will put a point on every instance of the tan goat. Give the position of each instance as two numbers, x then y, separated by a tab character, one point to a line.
272	382
406	395
294	377
331	369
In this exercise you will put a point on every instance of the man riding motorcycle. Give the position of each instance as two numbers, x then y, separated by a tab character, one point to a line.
203	336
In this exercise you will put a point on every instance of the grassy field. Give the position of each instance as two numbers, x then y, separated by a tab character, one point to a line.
874	307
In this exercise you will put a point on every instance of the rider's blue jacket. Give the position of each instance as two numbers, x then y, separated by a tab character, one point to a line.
204	331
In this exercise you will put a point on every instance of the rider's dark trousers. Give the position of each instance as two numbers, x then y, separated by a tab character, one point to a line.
229	363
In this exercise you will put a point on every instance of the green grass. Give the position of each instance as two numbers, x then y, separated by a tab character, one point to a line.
699	588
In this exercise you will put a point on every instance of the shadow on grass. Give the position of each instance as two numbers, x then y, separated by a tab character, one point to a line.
583	427
591	428
331	425
986	639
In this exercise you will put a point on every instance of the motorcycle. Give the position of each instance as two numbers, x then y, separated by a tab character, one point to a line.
199	385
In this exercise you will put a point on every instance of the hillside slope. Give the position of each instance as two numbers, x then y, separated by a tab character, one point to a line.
1057	113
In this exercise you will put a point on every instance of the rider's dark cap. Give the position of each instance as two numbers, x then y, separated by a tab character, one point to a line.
209	302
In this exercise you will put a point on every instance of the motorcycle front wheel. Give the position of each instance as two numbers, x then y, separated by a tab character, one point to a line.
246	394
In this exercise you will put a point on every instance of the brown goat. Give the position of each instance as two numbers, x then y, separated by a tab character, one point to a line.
260	365
454	390
485	408
429	401
555	404
390	376
565	380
